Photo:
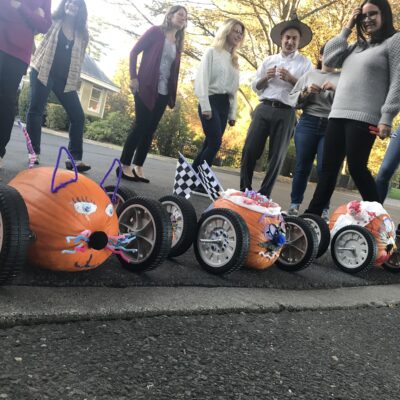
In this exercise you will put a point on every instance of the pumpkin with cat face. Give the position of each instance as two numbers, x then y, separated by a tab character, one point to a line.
72	226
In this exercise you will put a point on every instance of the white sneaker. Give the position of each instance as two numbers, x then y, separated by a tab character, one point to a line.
293	210
325	215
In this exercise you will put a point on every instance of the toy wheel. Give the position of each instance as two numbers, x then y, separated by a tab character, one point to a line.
393	264
151	225
183	218
14	233
121	196
222	241
353	248
322	231
301	245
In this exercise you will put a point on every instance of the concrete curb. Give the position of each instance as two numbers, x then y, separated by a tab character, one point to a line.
22	305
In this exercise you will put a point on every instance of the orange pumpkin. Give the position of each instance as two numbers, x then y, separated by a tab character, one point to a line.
71	226
258	257
380	226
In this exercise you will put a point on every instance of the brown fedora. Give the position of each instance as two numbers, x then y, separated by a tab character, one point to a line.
305	31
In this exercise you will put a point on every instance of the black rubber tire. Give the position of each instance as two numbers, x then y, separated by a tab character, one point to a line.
242	243
393	264
123	193
324	232
161	232
15	234
284	261
371	252
189	220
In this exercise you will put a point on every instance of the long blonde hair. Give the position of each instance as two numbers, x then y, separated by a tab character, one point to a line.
166	25
221	35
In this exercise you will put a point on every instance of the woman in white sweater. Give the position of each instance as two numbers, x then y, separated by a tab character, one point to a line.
216	85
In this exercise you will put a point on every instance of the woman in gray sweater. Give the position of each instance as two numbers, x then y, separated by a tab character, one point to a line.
313	93
367	98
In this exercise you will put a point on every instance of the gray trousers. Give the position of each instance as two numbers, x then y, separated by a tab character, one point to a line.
277	124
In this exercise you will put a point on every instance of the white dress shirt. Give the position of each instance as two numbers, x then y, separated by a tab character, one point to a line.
217	75
277	88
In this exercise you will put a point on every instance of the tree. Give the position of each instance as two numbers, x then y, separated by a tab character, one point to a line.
122	101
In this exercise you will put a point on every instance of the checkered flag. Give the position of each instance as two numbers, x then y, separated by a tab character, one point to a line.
210	181
186	179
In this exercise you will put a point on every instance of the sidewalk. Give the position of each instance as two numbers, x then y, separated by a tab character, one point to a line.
22	305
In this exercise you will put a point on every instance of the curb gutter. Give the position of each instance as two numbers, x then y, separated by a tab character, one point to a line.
23	305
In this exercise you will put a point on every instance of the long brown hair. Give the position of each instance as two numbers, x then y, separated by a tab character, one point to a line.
80	20
166	25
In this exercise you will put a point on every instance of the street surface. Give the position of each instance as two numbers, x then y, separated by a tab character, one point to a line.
184	270
351	354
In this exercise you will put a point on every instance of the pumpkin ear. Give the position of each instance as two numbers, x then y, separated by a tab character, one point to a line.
72	180
119	173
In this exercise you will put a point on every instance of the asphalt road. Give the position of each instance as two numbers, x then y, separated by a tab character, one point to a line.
184	270
351	354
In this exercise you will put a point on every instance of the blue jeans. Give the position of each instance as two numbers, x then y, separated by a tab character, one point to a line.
213	128
70	102
309	139
388	167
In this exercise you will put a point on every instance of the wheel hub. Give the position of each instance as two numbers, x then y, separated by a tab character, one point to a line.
351	249
217	240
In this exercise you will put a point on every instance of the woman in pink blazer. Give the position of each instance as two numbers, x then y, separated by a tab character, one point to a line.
20	20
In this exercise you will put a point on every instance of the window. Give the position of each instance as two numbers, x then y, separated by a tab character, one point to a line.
95	98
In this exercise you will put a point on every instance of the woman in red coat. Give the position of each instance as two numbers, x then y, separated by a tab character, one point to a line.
20	20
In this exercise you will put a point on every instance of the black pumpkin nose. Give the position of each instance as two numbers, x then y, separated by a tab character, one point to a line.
98	240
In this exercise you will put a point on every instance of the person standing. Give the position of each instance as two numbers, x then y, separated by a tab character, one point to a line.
274	117
154	86
313	93
367	98
216	85
56	66
389	166
20	20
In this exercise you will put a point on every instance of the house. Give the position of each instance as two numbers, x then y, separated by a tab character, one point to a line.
94	88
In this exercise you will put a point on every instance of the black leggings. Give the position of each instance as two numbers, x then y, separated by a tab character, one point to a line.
351	139
11	71
139	139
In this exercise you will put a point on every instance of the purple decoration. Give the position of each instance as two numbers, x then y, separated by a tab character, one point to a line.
116	161
64	184
32	154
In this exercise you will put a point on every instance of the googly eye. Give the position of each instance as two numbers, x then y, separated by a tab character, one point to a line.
85	208
110	210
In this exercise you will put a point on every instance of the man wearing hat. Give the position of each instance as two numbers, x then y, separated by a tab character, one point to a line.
274	117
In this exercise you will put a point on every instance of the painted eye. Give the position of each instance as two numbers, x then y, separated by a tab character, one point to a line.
110	210
85	208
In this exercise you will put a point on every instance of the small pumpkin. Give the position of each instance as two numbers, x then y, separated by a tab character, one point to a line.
374	218
266	231
72	226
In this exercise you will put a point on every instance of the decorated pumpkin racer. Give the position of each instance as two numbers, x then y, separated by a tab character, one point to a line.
238	229
363	234
64	221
